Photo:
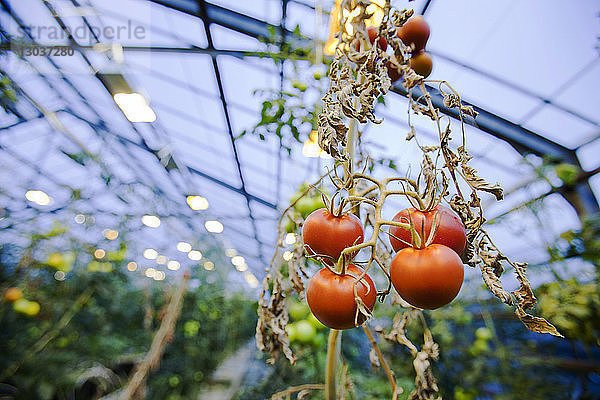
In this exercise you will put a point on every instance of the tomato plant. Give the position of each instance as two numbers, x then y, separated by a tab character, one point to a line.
327	235
414	32
373	33
331	299
450	230
422	63
427	278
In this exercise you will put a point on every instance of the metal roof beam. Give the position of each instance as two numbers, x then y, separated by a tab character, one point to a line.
523	140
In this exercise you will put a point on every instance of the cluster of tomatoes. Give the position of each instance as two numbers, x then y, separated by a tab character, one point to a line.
426	271
414	33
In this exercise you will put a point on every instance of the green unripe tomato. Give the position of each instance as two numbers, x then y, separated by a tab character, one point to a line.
26	307
298	311
305	332
292	331
315	322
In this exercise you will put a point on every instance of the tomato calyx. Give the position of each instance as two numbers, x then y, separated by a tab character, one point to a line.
418	239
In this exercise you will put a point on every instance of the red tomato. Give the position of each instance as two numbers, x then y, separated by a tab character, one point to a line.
450	232
330	296
422	63
427	278
415	31
373	33
328	235
393	72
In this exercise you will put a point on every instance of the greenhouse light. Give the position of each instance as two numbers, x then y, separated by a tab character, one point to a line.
184	247
59	275
238	260
197	202
161	260
242	267
195	255
230	252
213	226
173	265
209	265
159	275
287	256
150	254
290	238
150	272
110	234
131	266
135	107
38	197
99	253
311	147
80	218
151	220
251	279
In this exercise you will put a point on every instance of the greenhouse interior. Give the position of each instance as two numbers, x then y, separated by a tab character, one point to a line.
299	199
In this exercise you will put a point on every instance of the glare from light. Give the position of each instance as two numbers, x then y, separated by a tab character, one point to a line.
197	202
238	260
150	254
99	253
290	238
209	265
184	247
311	147
80	218
173	265
243	267
213	226
195	255
38	197
150	272
330	47
135	107
230	252
251	279
376	9
162	260
110	234
59	275
159	275
287	256
151	220
131	266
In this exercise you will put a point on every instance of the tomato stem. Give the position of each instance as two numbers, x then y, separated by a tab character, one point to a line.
333	349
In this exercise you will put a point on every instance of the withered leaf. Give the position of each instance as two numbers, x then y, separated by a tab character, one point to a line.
494	285
525	297
479	183
536	324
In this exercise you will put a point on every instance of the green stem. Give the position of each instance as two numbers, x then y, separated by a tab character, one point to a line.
333	345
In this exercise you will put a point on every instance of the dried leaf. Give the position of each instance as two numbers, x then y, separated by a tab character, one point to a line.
536	324
524	296
494	285
470	174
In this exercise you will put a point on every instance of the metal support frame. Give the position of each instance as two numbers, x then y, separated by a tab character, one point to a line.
523	140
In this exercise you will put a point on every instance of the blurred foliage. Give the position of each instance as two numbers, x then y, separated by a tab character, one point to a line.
94	323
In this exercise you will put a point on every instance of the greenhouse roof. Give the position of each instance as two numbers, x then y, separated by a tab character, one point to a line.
531	68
